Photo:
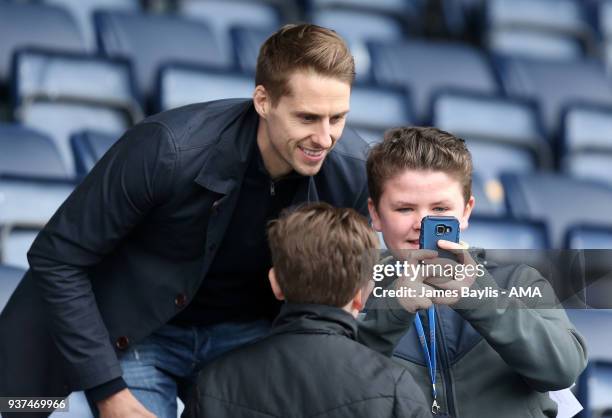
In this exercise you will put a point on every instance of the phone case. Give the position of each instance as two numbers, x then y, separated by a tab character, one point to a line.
434	228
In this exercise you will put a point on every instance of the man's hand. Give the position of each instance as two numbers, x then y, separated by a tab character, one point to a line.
123	405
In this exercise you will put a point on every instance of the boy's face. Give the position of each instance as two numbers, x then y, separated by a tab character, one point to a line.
412	195
303	127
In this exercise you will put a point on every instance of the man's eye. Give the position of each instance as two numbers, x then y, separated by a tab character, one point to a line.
336	119
309	118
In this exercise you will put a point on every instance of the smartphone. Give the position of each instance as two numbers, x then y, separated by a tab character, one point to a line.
434	228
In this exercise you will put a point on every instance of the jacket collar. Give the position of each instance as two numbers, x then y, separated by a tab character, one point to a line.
226	163
314	319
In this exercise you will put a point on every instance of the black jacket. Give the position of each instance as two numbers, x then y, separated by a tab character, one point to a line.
130	246
309	366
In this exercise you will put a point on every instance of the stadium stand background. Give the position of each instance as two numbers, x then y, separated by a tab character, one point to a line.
527	83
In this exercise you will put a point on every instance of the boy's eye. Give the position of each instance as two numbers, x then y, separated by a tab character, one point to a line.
404	209
440	209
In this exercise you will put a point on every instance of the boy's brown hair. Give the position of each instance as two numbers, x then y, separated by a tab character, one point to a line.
321	254
418	148
304	47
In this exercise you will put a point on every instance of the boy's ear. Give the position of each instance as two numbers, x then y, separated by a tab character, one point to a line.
467	211
374	215
357	303
261	101
278	292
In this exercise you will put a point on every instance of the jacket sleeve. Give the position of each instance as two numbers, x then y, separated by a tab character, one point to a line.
535	338
133	177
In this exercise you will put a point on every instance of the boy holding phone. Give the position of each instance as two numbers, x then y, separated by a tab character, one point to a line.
491	356
311	363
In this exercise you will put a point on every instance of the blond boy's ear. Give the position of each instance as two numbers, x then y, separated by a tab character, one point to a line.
276	289
374	215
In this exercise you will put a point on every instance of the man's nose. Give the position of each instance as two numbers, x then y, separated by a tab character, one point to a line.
322	136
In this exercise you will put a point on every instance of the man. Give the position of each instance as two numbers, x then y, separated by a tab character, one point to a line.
157	263
311	364
498	354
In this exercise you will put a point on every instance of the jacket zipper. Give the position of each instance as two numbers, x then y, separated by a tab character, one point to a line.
272	191
446	379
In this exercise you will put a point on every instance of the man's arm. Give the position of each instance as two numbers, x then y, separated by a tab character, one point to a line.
134	176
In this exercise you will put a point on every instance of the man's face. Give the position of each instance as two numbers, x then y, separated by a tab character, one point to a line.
412	195
303	127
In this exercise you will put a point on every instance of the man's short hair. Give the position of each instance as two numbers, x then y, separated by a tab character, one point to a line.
418	148
304	47
322	254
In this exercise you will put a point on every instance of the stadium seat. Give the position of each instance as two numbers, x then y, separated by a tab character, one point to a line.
15	241
554	85
505	233
534	44
489	195
25	152
589	237
595	386
9	279
495	122
392	108
246	42
587	142
29	201
559	201
35	25
130	35
425	68
82	11
89	147
604	13
221	15
358	27
490	159
61	119
183	84
560	16
410	10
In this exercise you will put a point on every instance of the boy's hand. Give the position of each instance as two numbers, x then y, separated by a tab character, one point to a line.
415	303
448	283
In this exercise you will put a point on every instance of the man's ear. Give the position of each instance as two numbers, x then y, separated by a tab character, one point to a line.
278	292
374	215
261	100
467	211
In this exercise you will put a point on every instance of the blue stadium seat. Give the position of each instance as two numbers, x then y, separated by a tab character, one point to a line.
89	147
15	242
9	279
560	201
25	152
25	200
594	388
410	9
604	13
183	84
494	122
246	42
505	233
489	195
358	27
591	324
130	35
392	108
44	75
491	159
425	68
82	11
554	85
587	142
534	44
221	15
589	237
61	119
561	16
79	408
35	25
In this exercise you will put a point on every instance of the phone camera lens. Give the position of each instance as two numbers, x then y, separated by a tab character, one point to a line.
440	229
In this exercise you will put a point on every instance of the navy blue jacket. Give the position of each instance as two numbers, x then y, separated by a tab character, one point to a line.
130	246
